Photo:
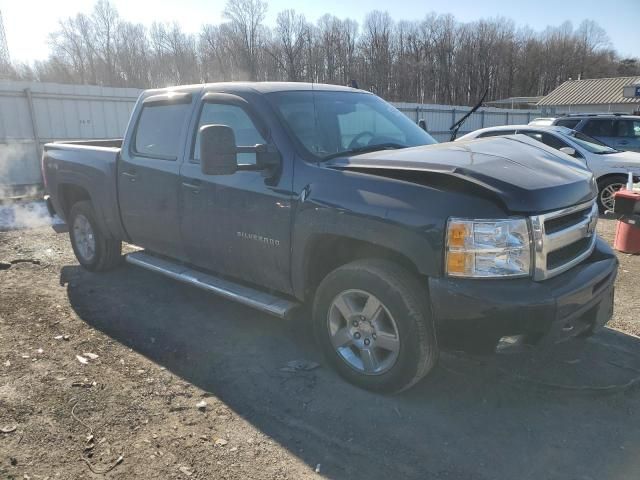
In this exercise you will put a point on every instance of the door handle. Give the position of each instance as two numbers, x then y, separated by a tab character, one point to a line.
193	185
130	175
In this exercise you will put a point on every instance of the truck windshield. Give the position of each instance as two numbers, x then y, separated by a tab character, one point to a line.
591	144
328	123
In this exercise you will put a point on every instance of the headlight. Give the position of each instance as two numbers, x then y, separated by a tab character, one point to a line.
488	248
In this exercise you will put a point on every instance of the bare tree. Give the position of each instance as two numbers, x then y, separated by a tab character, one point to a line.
435	59
287	48
246	17
104	23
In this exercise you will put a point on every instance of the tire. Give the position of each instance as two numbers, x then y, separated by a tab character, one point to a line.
401	334
94	250
605	187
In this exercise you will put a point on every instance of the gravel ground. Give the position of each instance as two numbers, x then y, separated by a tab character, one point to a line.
627	307
137	375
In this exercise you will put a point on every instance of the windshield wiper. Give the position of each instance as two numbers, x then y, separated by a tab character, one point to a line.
366	149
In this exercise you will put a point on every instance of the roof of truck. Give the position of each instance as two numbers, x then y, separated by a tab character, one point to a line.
260	87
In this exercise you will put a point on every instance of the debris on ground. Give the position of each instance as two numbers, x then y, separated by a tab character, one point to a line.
201	405
84	384
186	470
82	360
118	461
8	429
221	442
299	366
91	356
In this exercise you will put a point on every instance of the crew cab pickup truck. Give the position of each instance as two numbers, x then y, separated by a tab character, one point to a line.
279	195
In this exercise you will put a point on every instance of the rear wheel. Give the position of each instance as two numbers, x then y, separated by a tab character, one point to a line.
94	250
373	323
607	188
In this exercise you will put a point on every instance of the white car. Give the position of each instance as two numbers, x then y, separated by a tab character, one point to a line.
542	121
609	166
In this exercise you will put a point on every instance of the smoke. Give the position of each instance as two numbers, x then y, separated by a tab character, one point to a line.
24	214
19	208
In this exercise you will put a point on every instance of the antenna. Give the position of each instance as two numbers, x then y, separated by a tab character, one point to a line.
5	59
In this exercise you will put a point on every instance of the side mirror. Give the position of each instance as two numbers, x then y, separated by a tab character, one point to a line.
218	150
422	123
568	151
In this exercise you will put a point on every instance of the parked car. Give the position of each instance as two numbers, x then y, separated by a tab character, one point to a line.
282	194
609	166
619	131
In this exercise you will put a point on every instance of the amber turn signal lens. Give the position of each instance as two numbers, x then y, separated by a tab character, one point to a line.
457	234
456	262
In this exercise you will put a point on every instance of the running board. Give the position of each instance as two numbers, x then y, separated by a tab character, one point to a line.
278	306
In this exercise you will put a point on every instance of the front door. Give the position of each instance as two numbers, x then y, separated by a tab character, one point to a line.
237	225
148	175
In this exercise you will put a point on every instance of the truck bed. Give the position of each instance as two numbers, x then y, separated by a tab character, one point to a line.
111	142
86	169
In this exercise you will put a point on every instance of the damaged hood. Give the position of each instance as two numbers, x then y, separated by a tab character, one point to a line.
525	175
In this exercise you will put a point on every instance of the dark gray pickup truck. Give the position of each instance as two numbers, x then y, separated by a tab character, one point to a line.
283	194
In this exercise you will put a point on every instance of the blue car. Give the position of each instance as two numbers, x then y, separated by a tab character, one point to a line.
621	132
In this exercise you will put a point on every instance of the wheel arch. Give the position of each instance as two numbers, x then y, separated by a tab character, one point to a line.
69	194
326	252
608	176
72	193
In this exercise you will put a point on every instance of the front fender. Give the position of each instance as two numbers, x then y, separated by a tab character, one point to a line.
421	245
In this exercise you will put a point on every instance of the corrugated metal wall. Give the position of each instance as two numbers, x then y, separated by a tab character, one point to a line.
32	114
440	117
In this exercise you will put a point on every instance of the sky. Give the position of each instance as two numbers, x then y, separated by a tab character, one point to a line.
27	22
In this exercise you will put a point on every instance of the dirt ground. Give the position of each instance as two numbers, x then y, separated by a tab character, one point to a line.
108	371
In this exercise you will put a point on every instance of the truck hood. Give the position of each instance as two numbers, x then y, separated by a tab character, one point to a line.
523	174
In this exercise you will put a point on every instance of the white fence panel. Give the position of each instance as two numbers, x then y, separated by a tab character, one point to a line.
440	117
60	112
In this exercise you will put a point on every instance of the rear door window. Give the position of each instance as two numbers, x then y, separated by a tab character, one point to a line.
568	122
158	131
599	128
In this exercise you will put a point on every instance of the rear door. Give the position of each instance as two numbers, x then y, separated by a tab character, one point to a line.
239	224
627	135
148	173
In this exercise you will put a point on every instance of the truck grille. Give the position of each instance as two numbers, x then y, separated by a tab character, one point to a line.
563	238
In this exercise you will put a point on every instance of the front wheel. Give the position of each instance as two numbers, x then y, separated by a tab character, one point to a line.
607	188
94	250
373	323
